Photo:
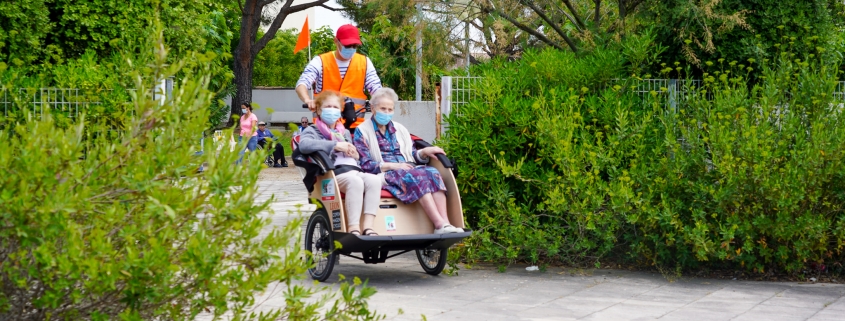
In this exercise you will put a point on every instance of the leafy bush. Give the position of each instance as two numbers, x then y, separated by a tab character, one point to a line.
742	29
559	162
50	31
124	226
277	66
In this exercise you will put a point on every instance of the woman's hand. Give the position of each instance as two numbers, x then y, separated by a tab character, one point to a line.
343	147
431	151
353	153
394	166
347	149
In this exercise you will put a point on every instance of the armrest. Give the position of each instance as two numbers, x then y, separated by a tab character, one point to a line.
323	159
420	144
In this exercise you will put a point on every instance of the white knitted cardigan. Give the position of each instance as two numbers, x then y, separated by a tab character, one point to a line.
402	135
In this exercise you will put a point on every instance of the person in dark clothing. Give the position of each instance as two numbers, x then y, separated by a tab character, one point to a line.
266	137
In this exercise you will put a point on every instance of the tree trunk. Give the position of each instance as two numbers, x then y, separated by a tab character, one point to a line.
622	11
243	58
248	46
243	83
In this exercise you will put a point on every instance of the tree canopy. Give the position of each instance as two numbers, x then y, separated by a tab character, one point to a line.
47	32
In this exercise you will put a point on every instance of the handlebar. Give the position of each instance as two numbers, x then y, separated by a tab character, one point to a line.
366	106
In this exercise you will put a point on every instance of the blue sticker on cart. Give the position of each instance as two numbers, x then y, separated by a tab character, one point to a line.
327	187
336	220
390	223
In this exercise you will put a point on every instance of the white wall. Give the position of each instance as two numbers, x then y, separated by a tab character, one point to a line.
283	100
418	117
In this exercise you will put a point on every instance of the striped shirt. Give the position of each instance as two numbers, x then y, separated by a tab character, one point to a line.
313	75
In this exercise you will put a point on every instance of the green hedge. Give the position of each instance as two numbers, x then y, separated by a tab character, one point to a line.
104	222
560	162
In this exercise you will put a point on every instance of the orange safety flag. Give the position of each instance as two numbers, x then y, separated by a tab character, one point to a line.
304	38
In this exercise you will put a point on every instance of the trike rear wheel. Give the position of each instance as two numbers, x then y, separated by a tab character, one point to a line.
432	260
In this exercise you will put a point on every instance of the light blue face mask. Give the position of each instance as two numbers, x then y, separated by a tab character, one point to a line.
243	110
330	115
347	53
382	118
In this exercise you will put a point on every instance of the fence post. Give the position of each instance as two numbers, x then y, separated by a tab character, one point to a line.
163	90
445	102
673	94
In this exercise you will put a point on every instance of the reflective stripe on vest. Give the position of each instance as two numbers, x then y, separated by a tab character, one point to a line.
352	84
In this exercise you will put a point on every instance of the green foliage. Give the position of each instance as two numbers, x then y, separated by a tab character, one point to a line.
742	29
94	87
392	48
90	51
24	25
50	31
277	66
117	223
559	163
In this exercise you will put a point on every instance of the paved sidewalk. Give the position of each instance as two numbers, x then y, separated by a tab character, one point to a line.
482	293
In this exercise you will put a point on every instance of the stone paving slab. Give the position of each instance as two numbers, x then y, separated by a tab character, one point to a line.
482	293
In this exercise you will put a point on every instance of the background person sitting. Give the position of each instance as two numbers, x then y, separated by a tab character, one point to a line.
303	124
265	138
363	190
386	149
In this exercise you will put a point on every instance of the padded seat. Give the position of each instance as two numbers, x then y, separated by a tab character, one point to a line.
384	194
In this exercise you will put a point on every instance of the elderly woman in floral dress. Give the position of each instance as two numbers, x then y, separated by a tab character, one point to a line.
385	148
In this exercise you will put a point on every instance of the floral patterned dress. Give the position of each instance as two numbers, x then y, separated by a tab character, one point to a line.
406	185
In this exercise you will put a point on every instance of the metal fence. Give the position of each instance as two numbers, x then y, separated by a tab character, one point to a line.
67	101
458	91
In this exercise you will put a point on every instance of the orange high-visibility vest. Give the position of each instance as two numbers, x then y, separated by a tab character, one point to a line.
352	84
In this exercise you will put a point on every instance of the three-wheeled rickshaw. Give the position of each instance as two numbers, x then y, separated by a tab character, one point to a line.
401	227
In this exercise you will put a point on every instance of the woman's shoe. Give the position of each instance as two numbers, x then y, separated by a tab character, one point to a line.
370	232
448	228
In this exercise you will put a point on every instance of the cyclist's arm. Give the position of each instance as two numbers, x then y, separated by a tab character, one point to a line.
310	79
372	81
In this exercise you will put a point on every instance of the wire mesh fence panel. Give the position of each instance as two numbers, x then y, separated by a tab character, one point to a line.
462	91
67	102
4	100
839	92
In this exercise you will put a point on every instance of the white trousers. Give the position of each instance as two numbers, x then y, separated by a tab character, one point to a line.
363	191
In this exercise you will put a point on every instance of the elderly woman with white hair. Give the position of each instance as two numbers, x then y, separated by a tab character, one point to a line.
385	148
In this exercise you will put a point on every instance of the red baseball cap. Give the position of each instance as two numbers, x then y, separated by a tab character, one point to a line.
348	35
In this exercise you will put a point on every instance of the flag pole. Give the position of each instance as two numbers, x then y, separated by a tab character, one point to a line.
309	42
309	55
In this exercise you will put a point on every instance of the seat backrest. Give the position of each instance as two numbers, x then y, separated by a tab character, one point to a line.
311	165
294	141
